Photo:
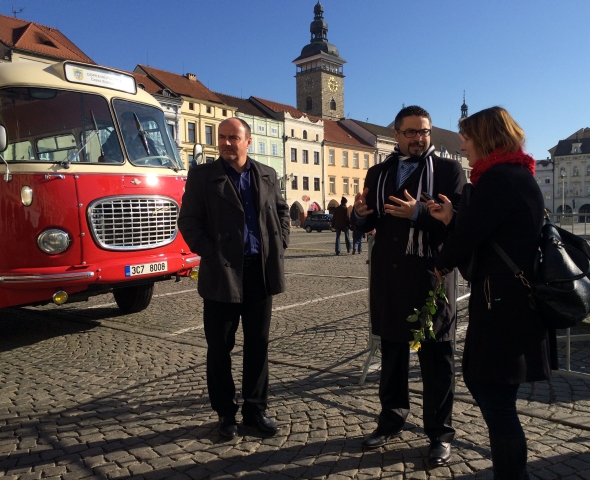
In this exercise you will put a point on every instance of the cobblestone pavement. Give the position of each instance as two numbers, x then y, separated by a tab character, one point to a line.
86	392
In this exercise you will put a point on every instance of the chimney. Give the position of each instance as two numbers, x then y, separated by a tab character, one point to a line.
191	76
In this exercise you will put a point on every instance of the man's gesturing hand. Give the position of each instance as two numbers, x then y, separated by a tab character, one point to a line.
403	208
360	204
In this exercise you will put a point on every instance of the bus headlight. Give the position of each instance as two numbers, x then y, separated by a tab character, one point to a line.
53	241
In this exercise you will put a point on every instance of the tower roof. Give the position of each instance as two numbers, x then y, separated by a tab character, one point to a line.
319	38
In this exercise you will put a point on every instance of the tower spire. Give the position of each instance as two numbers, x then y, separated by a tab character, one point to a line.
464	113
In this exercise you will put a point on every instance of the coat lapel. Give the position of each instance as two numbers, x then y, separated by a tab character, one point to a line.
221	185
264	183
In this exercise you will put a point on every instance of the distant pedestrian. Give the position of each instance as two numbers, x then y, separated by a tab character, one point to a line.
341	223
357	239
234	216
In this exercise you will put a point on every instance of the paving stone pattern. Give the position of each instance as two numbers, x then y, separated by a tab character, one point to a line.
86	392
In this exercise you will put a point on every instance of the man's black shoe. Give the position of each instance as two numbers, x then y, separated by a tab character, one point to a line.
379	437
227	426
439	453
262	423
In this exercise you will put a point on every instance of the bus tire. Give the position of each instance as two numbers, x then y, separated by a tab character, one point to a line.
134	299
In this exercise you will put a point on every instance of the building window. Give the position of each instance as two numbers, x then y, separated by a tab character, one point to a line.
548	196
293	154
547	180
274	131
275	149
576	172
171	131
305	183
191	161
304	134
332	104
355	160
261	148
209	160
208	109
224	112
308	103
191	132
355	186
316	184
316	158
293	133
208	135
345	186
251	148
317	137
331	160
304	156
261	129
366	161
345	159
191	106
294	182
332	185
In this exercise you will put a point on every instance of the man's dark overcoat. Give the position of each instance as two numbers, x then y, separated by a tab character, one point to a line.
506	341
211	221
400	282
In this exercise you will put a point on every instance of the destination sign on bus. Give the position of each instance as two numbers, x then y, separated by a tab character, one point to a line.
99	77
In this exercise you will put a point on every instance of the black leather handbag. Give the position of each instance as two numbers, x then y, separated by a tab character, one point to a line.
560	288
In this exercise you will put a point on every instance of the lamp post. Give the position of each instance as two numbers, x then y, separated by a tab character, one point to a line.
562	196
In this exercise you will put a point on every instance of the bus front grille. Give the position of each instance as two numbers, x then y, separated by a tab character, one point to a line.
133	222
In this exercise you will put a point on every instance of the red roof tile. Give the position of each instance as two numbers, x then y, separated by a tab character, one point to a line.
180	84
337	133
36	38
244	105
150	86
281	107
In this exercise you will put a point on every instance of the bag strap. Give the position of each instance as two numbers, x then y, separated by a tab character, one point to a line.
518	273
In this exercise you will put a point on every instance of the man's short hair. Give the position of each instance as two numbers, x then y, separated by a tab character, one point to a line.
343	201
247	129
412	110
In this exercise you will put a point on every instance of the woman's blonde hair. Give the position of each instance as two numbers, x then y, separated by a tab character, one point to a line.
491	129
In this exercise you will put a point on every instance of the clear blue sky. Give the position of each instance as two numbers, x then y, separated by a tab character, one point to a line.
529	56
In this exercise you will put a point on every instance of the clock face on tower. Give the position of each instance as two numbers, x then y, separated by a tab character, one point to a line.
332	84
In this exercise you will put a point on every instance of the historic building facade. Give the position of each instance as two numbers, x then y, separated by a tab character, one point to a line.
201	111
544	177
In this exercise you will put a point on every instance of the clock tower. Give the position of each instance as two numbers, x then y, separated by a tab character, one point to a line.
319	76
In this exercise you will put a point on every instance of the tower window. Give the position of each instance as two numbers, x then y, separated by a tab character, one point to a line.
332	104
304	134
308	103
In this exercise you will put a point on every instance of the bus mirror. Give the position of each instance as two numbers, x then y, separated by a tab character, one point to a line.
2	138
198	153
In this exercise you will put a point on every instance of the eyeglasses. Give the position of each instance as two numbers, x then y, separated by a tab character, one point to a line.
410	133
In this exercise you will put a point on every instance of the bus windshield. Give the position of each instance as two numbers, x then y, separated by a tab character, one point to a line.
64	127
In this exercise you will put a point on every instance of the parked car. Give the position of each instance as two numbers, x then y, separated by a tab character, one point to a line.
318	222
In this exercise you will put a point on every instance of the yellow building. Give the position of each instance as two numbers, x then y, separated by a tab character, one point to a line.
201	111
346	159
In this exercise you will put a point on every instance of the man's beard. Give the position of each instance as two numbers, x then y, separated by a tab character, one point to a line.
416	156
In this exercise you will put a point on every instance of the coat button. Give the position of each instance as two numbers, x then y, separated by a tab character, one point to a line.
228	264
276	232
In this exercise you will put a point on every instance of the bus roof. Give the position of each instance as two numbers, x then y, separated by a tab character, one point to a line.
76	76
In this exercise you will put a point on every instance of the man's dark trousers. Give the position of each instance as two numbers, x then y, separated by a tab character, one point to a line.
221	323
437	368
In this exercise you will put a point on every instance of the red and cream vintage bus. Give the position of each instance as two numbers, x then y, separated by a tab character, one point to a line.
90	188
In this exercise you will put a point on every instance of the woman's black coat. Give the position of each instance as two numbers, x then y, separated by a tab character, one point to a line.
506	342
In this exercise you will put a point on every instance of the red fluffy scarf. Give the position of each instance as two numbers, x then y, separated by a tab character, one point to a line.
500	156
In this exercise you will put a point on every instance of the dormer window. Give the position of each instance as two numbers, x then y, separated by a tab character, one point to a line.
304	134
576	148
166	92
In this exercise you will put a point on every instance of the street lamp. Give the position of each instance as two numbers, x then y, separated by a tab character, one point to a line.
562	196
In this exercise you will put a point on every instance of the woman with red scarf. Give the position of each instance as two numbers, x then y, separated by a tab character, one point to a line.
506	343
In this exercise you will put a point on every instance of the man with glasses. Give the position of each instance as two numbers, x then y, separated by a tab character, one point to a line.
402	275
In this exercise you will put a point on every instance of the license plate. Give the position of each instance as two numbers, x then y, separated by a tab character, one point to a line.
145	269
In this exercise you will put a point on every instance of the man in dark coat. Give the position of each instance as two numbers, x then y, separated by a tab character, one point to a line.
234	217
402	273
341	223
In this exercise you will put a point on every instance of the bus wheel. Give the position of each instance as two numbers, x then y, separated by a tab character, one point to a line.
134	299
